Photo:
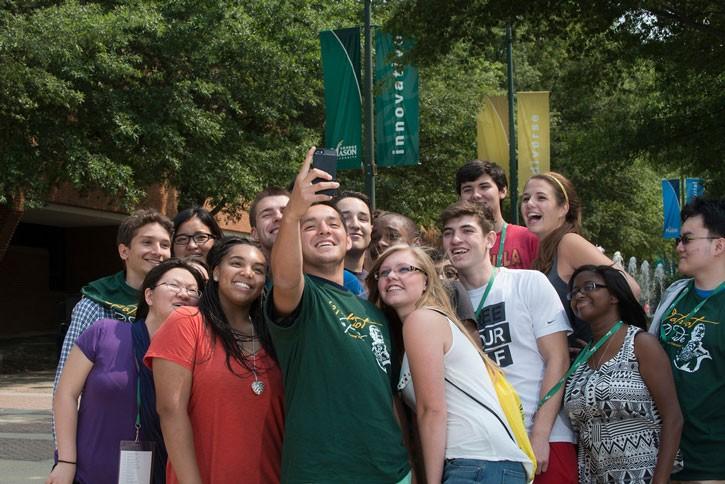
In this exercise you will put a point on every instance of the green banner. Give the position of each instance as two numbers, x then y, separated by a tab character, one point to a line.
341	74
397	125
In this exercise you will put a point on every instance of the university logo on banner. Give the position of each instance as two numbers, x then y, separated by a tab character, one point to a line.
343	98
397	126
532	119
671	204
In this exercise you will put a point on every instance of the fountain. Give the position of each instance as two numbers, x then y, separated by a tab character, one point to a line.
618	259
632	267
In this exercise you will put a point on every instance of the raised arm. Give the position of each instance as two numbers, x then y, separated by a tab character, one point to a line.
173	389
427	336
65	411
656	372
287	276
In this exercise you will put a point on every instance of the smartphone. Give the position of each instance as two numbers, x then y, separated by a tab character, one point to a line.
325	159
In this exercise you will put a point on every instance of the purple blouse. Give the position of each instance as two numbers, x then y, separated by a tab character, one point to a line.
107	413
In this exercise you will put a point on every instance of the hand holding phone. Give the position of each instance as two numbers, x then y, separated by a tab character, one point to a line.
325	159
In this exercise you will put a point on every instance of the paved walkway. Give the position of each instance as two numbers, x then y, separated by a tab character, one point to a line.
26	442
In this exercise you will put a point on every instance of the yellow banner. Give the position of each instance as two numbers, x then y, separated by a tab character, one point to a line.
491	134
532	116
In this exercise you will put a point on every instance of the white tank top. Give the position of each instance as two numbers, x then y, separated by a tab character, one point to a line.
472	431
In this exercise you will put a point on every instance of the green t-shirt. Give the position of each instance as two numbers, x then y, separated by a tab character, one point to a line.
696	348
334	352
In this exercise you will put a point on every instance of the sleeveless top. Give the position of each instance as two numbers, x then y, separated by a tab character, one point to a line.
616	419
472	432
580	327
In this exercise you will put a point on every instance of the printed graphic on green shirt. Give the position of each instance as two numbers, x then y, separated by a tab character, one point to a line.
338	376
695	345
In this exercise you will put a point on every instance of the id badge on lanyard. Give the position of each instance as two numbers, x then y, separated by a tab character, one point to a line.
136	462
136	456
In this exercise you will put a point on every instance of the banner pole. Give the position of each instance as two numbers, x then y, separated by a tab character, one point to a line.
369	160
513	163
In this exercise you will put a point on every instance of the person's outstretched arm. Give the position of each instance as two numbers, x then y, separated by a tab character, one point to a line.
288	279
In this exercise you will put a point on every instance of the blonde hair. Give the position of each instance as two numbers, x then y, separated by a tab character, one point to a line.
434	297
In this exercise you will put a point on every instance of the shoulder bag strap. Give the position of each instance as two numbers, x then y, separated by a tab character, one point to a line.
484	406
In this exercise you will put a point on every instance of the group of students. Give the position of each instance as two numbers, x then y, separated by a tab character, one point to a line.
334	347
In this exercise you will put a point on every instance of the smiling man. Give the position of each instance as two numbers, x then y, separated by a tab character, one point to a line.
333	348
689	323
522	326
355	210
144	240
265	214
484	182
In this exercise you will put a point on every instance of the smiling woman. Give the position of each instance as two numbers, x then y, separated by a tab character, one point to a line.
552	211
215	370
101	366
625	372
194	232
445	377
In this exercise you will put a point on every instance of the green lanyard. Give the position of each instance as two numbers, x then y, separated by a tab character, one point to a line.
138	407
583	357
499	256
485	293
138	398
687	316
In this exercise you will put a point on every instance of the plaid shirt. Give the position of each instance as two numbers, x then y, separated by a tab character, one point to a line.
85	313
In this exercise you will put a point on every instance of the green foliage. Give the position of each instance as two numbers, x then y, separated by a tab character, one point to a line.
637	95
216	98
451	93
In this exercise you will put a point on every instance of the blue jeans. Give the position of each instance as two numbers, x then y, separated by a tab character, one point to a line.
469	471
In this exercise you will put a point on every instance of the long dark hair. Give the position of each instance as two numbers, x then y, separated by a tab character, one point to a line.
154	276
215	319
630	311
565	193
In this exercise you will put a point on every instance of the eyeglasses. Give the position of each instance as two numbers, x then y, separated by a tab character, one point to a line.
402	271
176	289
686	239
585	289
199	238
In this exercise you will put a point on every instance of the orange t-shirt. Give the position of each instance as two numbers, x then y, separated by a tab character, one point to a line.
237	434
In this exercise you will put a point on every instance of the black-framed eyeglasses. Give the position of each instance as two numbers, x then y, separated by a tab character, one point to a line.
585	289
176	289
199	238
402	271
686	239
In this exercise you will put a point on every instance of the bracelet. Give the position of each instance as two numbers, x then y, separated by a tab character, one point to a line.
66	462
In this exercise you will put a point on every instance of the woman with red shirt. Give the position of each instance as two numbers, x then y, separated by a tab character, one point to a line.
218	386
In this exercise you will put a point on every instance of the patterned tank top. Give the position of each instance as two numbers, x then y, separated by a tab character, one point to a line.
615	418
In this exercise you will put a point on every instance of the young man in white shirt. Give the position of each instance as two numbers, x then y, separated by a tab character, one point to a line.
523	328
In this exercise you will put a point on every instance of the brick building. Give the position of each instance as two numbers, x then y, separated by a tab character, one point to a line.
47	254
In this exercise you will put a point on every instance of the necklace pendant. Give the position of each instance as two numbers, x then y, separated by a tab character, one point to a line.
257	387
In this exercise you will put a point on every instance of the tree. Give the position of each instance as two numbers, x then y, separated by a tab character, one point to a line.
680	126
216	98
637	89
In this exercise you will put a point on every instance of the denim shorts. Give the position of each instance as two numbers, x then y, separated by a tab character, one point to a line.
469	471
